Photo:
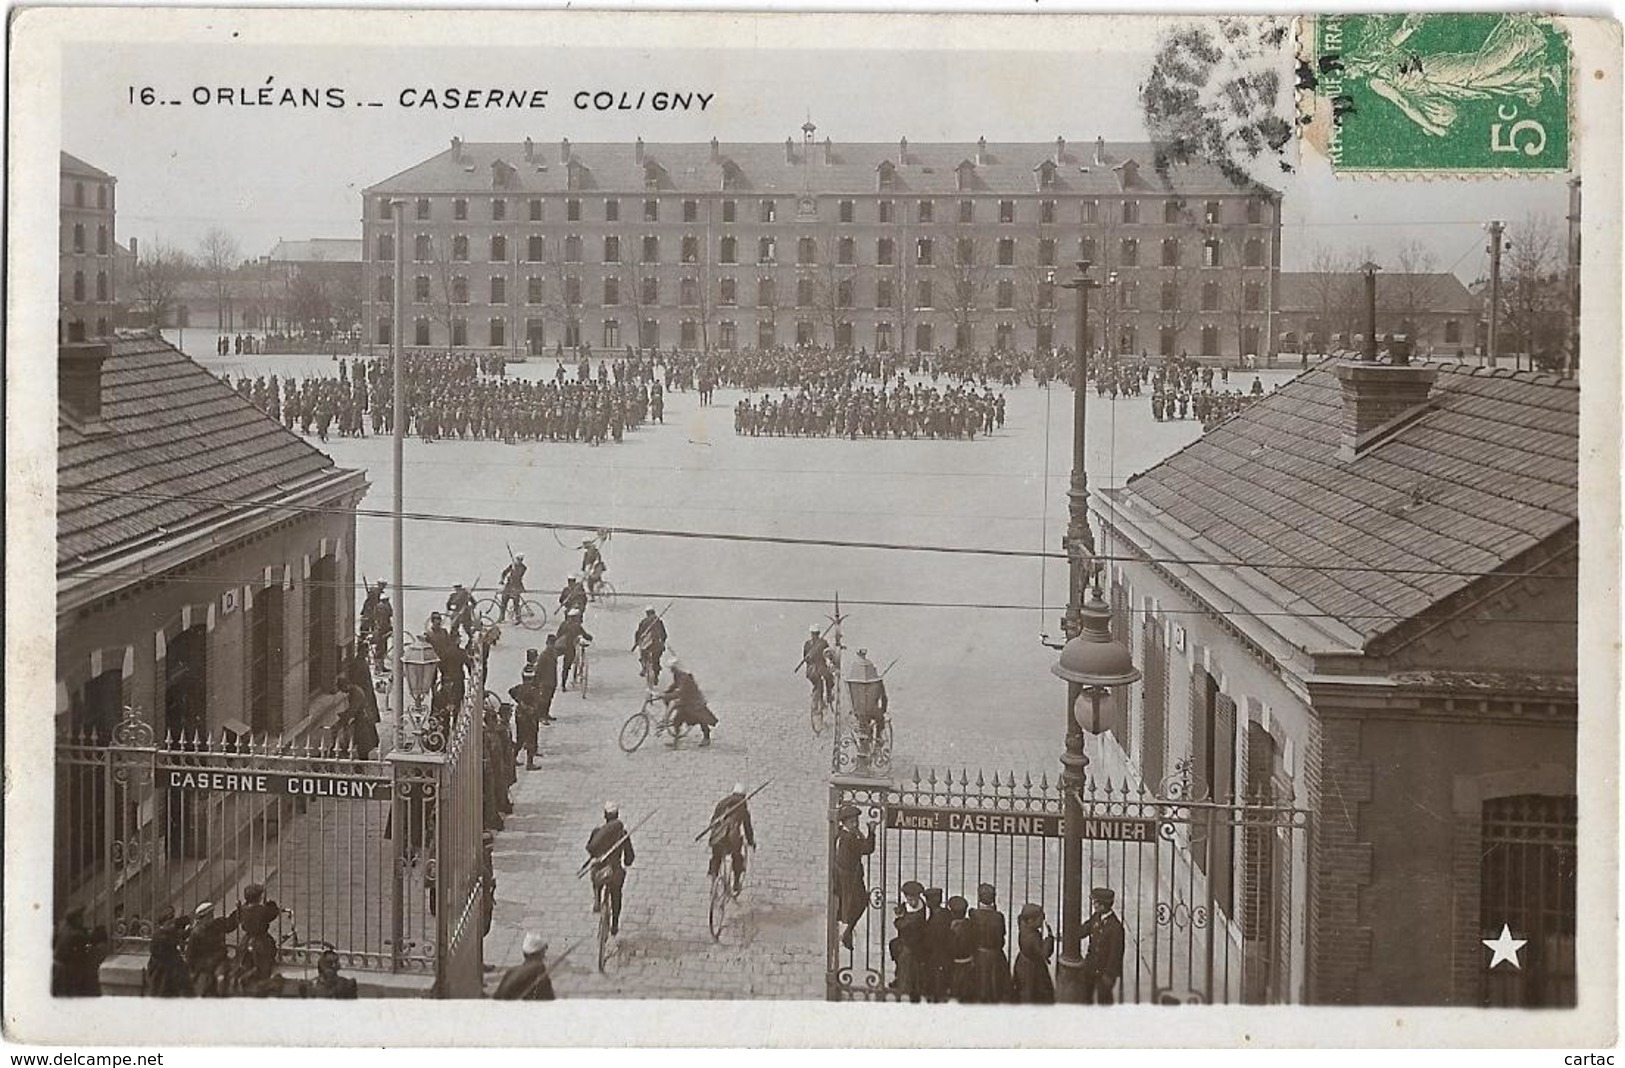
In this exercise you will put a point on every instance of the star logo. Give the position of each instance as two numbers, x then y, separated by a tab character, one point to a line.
1505	948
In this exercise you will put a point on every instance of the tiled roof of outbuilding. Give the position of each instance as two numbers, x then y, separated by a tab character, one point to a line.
761	167
172	429
1489	472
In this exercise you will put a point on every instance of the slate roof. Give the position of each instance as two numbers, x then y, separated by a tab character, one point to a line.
1489	472
317	250
762	167
1441	291
74	165
173	429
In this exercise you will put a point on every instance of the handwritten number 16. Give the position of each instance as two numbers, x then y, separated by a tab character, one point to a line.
1509	143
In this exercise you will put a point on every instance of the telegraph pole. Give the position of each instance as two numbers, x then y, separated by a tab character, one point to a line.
397	693
1496	230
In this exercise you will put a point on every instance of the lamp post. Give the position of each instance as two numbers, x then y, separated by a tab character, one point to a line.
418	666
1079	542
1093	665
397	214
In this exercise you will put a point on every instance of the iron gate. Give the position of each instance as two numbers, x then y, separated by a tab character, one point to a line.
1211	892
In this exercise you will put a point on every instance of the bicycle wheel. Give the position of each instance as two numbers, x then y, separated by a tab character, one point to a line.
603	930
486	610
634	731
532	616
493	702
720	893
817	713
606	594
583	674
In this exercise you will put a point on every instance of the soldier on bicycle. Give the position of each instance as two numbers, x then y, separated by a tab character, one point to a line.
572	638
650	642
592	565
574	595
731	832
687	705
513	588
820	661
460	606
609	850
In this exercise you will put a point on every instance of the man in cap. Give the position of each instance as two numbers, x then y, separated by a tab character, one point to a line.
909	916
328	982
526	699
383	626
513	588
650	642
206	950
461	607
688	704
572	636
573	597
369	606
820	660
528	980
992	965
731	831
256	953
1103	960
609	851
1030	979
937	952
851	887
592	565
449	654
547	679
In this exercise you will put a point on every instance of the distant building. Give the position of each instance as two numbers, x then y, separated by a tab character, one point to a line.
182	588
1324	311
887	247
87	276
1359	596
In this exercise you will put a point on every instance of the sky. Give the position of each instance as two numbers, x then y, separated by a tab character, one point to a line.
266	173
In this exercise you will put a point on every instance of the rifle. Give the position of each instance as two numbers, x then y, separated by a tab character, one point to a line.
891	665
661	615
587	864
803	659
727	812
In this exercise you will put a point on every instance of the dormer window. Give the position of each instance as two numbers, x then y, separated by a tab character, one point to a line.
1046	174
886	175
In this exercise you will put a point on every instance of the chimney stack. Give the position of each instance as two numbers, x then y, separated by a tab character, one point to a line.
1060	150
530	151
135	253
637	151
902	152
789	150
457	149
716	151
1377	397
1100	152
981	151
79	382
564	150
829	152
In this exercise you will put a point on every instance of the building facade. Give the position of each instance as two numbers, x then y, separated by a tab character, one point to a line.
87	274
905	247
1396	653
1325	311
188	590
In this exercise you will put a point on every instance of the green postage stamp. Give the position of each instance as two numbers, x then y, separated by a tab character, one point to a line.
1452	92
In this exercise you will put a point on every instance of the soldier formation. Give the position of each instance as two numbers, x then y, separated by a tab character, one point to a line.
896	411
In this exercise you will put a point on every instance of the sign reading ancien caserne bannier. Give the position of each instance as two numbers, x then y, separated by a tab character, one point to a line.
1034	824
353	788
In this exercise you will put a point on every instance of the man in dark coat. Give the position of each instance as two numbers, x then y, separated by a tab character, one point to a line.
77	953
688	704
206	950
1030	979
166	975
526	697
937	955
992	965
650	642
962	951
730	833
528	980
572	636
851	887
356	728
547	679
609	851
450	656
1103	961
328	982
907	949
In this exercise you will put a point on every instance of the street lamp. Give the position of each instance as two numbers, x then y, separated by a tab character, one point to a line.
863	685
1093	665
1079	542
419	667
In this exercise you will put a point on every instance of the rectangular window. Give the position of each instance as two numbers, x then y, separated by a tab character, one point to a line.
885	251
536	248
499	290
422	248
459	247
612	292
769	211
689	334
964	251
651	292
846	252
612	249
572	290
730	210
499	333
572	249
612	211
922	251
843	293
766	250
804	293
1007	251
1252	295
321	625
386	288
1131	211
1046	211
420	289
1213	213
536	210
729	291
1210	252
1130	254
691	249
1006	297
883	211
651	249
727	335
927	211
729	252
846	211
499	210
499	248
459	290
459	332
806	251
535	290
1255	209
1088	212
1007	211
651	211
1171	210
572	210
459	209
688	291
1046	252
1087	249
423	207
967	211
885	293
923	292
691	211
766	293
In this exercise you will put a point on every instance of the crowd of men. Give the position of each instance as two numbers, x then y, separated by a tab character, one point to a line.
459	397
897	410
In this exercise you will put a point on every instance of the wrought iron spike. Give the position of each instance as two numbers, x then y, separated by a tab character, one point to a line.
1043	780
1027	780
931	777
981	781
916	776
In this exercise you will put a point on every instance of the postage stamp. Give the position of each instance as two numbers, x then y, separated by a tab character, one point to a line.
1442	93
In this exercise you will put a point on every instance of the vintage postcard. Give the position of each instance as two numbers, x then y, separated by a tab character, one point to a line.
1007	530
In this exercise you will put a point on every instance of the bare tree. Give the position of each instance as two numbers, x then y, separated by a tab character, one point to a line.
1415	294
159	271
904	275
1533	306
1035	295
970	274
219	255
1326	279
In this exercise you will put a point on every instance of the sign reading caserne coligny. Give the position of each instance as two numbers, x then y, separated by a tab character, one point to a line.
1036	824
355	788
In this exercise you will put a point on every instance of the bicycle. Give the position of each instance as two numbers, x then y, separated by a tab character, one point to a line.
603	592
722	892
580	674
820	709
603	924
638	725
532	614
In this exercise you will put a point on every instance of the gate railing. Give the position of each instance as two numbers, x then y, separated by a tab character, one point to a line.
1210	892
354	851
